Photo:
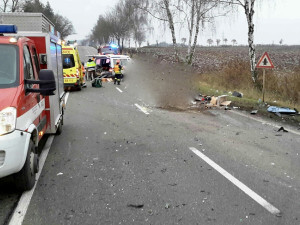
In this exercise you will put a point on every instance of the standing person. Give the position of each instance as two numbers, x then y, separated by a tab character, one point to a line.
118	72
83	74
91	67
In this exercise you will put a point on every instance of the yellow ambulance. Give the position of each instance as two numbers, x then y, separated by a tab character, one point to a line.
73	74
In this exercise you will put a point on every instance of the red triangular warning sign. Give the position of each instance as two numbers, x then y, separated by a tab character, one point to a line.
265	62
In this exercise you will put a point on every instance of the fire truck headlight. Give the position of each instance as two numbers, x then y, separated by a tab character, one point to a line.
8	117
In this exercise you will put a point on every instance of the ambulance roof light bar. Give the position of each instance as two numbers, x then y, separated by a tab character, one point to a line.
8	29
114	46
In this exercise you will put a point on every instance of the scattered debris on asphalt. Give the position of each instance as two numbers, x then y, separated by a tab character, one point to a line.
219	101
136	206
253	112
164	170
204	99
283	110
59	174
167	206
282	129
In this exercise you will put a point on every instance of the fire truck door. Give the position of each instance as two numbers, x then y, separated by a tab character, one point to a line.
33	106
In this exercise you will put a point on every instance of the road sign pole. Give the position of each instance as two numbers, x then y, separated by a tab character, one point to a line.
264	80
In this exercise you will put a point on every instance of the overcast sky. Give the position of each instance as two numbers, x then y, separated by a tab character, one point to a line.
274	20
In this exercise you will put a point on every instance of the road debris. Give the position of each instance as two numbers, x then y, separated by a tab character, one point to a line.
283	110
136	206
237	94
219	101
282	129
164	170
59	174
167	206
253	112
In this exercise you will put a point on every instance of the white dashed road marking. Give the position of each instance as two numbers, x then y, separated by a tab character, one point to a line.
142	109
238	183
119	89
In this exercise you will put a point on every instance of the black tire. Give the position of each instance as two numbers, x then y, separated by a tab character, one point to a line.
59	129
25	178
79	87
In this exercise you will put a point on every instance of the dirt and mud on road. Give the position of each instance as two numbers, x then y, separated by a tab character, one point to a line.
167	86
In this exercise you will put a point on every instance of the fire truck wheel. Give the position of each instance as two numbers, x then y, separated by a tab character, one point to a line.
79	87
59	129
25	178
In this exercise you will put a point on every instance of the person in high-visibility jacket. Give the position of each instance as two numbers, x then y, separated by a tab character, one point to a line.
91	67
118	73
83	72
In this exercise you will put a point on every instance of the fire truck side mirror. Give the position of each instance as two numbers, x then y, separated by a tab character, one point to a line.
46	81
48	84
43	59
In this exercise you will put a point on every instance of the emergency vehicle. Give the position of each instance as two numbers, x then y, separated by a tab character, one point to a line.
72	68
106	63
109	49
31	92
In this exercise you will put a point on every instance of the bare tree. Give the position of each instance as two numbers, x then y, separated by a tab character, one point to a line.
195	13
183	40
10	5
210	41
281	41
171	26
164	11
15	5
199	12
233	42
248	7
4	5
63	25
218	42
123	23
225	41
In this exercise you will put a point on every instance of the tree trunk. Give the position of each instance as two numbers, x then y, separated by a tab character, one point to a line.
191	28
249	11
119	41
191	55
171	26
5	2
14	5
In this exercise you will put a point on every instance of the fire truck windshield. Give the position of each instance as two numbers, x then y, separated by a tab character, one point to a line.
9	66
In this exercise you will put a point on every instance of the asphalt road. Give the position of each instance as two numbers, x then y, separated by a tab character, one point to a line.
125	157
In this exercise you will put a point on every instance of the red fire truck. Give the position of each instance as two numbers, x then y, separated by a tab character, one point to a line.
31	92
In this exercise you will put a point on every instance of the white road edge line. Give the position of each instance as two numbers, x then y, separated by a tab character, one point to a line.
23	204
238	183
119	89
142	109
